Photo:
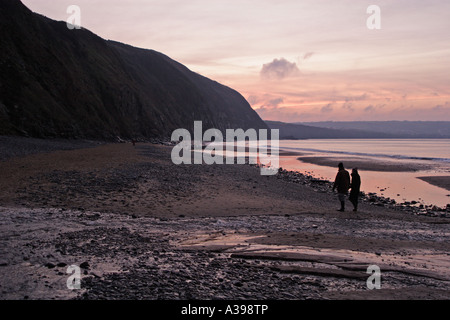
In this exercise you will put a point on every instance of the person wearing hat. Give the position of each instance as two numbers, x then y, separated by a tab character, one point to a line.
355	189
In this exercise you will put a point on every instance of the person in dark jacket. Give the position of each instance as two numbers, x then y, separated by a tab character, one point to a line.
355	189
342	184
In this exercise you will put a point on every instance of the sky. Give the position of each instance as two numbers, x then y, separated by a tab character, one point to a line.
294	60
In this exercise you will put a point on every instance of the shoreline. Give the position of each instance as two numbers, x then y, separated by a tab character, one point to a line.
367	164
371	198
144	228
19	169
45	148
439	181
389	186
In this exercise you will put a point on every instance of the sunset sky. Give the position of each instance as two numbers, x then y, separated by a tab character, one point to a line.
294	60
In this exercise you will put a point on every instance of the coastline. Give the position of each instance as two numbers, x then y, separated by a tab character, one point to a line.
439	181
399	180
148	229
371	198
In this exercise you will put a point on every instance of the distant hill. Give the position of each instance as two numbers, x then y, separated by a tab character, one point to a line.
406	129
357	130
56	82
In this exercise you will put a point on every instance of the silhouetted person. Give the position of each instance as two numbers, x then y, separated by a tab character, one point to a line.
355	186
342	184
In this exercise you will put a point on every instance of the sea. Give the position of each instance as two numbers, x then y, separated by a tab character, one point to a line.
430	157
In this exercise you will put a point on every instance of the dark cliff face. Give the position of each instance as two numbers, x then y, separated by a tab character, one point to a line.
56	82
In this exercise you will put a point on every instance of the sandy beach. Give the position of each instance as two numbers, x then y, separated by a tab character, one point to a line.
144	228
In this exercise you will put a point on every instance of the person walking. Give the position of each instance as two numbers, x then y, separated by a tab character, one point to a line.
342	184
355	188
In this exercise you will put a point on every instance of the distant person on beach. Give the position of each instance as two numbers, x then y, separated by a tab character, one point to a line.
342	184
355	188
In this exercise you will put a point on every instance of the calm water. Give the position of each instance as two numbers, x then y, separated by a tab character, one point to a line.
401	186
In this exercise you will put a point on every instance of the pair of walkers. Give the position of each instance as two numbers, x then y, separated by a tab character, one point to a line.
342	183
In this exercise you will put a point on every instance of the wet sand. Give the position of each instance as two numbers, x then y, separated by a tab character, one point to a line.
438	181
367	164
144	228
